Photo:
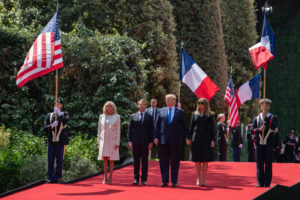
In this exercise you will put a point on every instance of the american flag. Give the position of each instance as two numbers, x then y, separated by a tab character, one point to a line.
230	98
228	92
44	55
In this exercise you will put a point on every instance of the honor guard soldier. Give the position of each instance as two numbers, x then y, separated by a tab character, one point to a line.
263	127
56	128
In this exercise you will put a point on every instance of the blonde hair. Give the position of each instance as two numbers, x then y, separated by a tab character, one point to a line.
113	105
171	95
207	112
221	115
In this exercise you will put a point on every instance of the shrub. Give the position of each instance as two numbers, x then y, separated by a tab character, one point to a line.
79	167
10	164
4	138
34	168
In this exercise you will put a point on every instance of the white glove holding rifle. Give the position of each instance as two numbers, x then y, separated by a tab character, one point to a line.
54	124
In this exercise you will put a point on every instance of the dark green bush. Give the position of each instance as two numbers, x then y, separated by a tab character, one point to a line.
10	164
25	159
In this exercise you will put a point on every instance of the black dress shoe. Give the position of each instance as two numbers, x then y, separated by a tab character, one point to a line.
135	182
59	181
259	186
164	184
143	182
174	184
50	181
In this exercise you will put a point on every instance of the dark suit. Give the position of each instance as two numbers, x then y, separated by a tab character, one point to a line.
140	134
222	134
264	152
170	138
251	146
236	141
153	112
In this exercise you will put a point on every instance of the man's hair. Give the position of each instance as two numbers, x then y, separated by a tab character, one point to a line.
171	95
144	100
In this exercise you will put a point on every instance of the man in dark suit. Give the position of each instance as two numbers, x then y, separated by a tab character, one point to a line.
169	128
237	142
153	110
251	144
140	140
263	127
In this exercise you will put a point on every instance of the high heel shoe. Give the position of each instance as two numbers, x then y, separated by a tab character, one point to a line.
198	182
109	181
104	180
203	182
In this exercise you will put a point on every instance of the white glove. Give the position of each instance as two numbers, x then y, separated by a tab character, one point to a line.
54	124
57	111
241	145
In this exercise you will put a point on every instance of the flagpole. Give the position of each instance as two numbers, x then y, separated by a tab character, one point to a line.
56	84
179	85
264	103
227	139
229	105
179	82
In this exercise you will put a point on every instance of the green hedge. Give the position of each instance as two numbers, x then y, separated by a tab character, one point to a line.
24	160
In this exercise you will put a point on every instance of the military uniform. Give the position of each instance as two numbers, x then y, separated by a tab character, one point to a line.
290	143
237	140
264	150
251	146
222	137
56	148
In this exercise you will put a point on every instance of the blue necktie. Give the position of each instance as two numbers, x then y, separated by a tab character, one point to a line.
141	120
170	115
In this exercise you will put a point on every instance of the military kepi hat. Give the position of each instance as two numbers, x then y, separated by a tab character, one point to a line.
60	100
268	101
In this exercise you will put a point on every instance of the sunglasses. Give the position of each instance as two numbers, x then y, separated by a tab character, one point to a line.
201	102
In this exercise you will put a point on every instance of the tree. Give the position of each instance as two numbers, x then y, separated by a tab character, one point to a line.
238	22
199	27
150	23
97	68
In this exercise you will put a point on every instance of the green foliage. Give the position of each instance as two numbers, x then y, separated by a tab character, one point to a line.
115	70
25	144
238	22
81	167
81	145
283	71
81	157
4	138
25	159
10	164
150	23
34	168
199	27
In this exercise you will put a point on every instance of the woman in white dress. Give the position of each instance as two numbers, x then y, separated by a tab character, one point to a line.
108	139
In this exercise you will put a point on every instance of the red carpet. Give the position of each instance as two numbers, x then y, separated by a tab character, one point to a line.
225	180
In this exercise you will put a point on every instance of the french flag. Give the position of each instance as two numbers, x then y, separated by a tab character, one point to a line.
263	51
248	91
195	78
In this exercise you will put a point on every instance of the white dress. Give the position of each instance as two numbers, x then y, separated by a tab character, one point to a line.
108	136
